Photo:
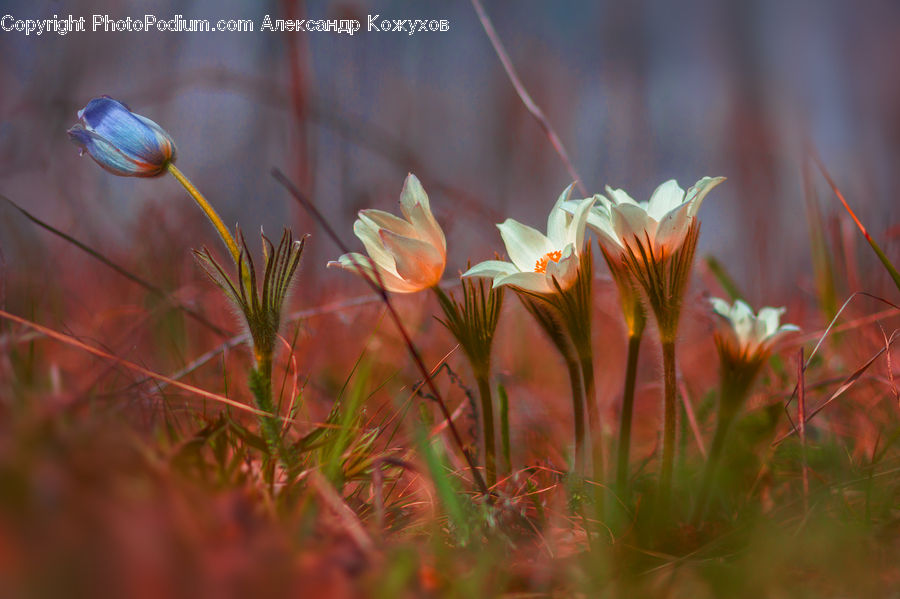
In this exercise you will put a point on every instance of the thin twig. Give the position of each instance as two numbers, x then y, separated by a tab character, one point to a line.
801	416
691	416
849	381
119	269
529	103
130	365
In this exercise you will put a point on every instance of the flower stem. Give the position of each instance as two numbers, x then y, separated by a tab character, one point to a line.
585	358
487	421
210	212
578	410
634	346
668	452
726	417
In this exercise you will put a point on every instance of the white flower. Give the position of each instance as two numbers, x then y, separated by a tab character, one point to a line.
751	333
664	220
538	259
409	255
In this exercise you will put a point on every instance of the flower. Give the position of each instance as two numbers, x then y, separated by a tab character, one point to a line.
407	255
747	334
664	220
120	141
538	259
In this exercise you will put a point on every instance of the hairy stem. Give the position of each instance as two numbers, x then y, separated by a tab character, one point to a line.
634	346
261	386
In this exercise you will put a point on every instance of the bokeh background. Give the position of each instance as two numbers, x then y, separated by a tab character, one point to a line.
639	92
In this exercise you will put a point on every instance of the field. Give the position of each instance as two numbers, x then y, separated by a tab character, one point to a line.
459	361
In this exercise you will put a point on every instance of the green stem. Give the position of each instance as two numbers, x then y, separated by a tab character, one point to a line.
551	320
726	417
634	346
578	410
210	212
487	421
585	358
668	452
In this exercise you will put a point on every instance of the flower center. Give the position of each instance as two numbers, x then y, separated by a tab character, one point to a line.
541	265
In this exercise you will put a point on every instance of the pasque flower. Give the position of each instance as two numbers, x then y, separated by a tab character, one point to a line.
130	145
744	341
664	220
120	141
745	335
405	254
537	259
655	242
552	276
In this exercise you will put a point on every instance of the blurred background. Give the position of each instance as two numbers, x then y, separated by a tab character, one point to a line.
639	92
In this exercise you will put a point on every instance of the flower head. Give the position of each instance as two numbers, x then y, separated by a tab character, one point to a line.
745	334
120	141
537	259
664	220
408	255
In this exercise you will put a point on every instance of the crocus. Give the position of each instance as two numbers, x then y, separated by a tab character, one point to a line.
745	334
538	259
664	220
405	254
120	141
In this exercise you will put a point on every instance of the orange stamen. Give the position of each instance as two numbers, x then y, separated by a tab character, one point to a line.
541	265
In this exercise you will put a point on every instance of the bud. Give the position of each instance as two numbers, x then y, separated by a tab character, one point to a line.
120	141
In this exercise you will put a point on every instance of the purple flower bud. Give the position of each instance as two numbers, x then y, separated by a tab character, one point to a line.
120	141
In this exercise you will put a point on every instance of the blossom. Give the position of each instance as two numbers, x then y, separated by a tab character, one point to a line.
664	220
537	259
745	333
120	141
407	255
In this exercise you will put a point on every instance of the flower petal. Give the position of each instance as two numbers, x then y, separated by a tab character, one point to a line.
673	228
379	219
367	232
575	230
524	244
529	281
355	263
108	156
416	208
721	307
619	196
418	262
565	271
491	269
113	121
165	143
698	191
630	221
556	222
742	322
598	221
665	198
